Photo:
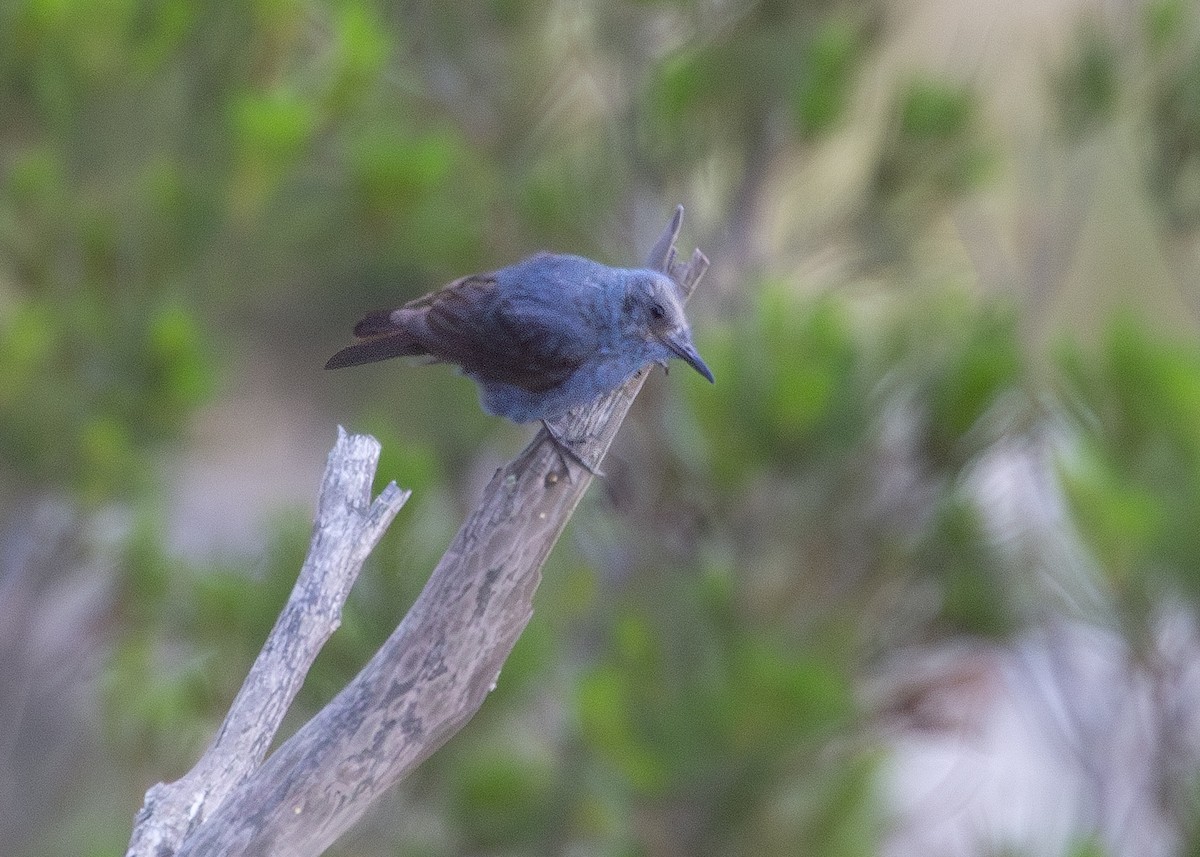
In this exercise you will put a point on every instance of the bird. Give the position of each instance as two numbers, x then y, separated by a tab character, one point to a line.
539	337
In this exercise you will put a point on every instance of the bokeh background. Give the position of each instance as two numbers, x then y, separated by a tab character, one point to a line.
918	576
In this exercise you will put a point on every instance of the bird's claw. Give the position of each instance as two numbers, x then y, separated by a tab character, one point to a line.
565	449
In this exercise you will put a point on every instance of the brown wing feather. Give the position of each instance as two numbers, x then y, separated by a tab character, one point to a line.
388	333
375	349
501	337
375	323
471	323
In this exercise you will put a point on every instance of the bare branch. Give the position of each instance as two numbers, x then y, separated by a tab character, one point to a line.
348	526
436	669
662	254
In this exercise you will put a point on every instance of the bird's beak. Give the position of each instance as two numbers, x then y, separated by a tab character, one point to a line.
681	343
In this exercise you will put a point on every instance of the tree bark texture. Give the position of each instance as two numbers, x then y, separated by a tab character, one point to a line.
347	527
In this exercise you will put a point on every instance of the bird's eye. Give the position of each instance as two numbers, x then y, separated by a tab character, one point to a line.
657	311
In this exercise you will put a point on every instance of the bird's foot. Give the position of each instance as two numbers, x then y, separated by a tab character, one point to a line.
565	447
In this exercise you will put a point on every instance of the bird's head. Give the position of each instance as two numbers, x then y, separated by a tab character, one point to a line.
652	312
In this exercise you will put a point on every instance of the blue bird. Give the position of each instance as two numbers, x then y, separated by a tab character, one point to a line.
540	337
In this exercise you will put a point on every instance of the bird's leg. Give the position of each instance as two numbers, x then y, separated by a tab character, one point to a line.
566	450
560	437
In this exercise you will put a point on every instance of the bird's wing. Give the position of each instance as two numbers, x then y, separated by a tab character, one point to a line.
401	332
525	338
382	335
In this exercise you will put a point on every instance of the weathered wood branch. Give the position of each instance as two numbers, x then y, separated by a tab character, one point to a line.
347	527
436	669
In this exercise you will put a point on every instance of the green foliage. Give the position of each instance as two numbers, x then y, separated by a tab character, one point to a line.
1088	86
822	95
957	552
498	797
271	129
1134	481
1175	123
974	369
931	111
390	166
796	419
360	51
773	55
193	634
934	147
1089	846
933	150
1190	805
1166	22
797	394
725	719
569	180
125	386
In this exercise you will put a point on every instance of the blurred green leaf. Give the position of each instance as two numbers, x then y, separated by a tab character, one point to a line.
361	50
971	378
499	796
396	170
823	94
933	110
273	126
957	551
1173	157
789	386
1134	477
1087	87
1165	22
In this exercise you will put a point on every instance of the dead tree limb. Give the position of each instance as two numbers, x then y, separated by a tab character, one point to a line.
347	527
435	670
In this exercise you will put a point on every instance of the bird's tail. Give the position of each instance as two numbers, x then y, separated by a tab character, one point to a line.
383	338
